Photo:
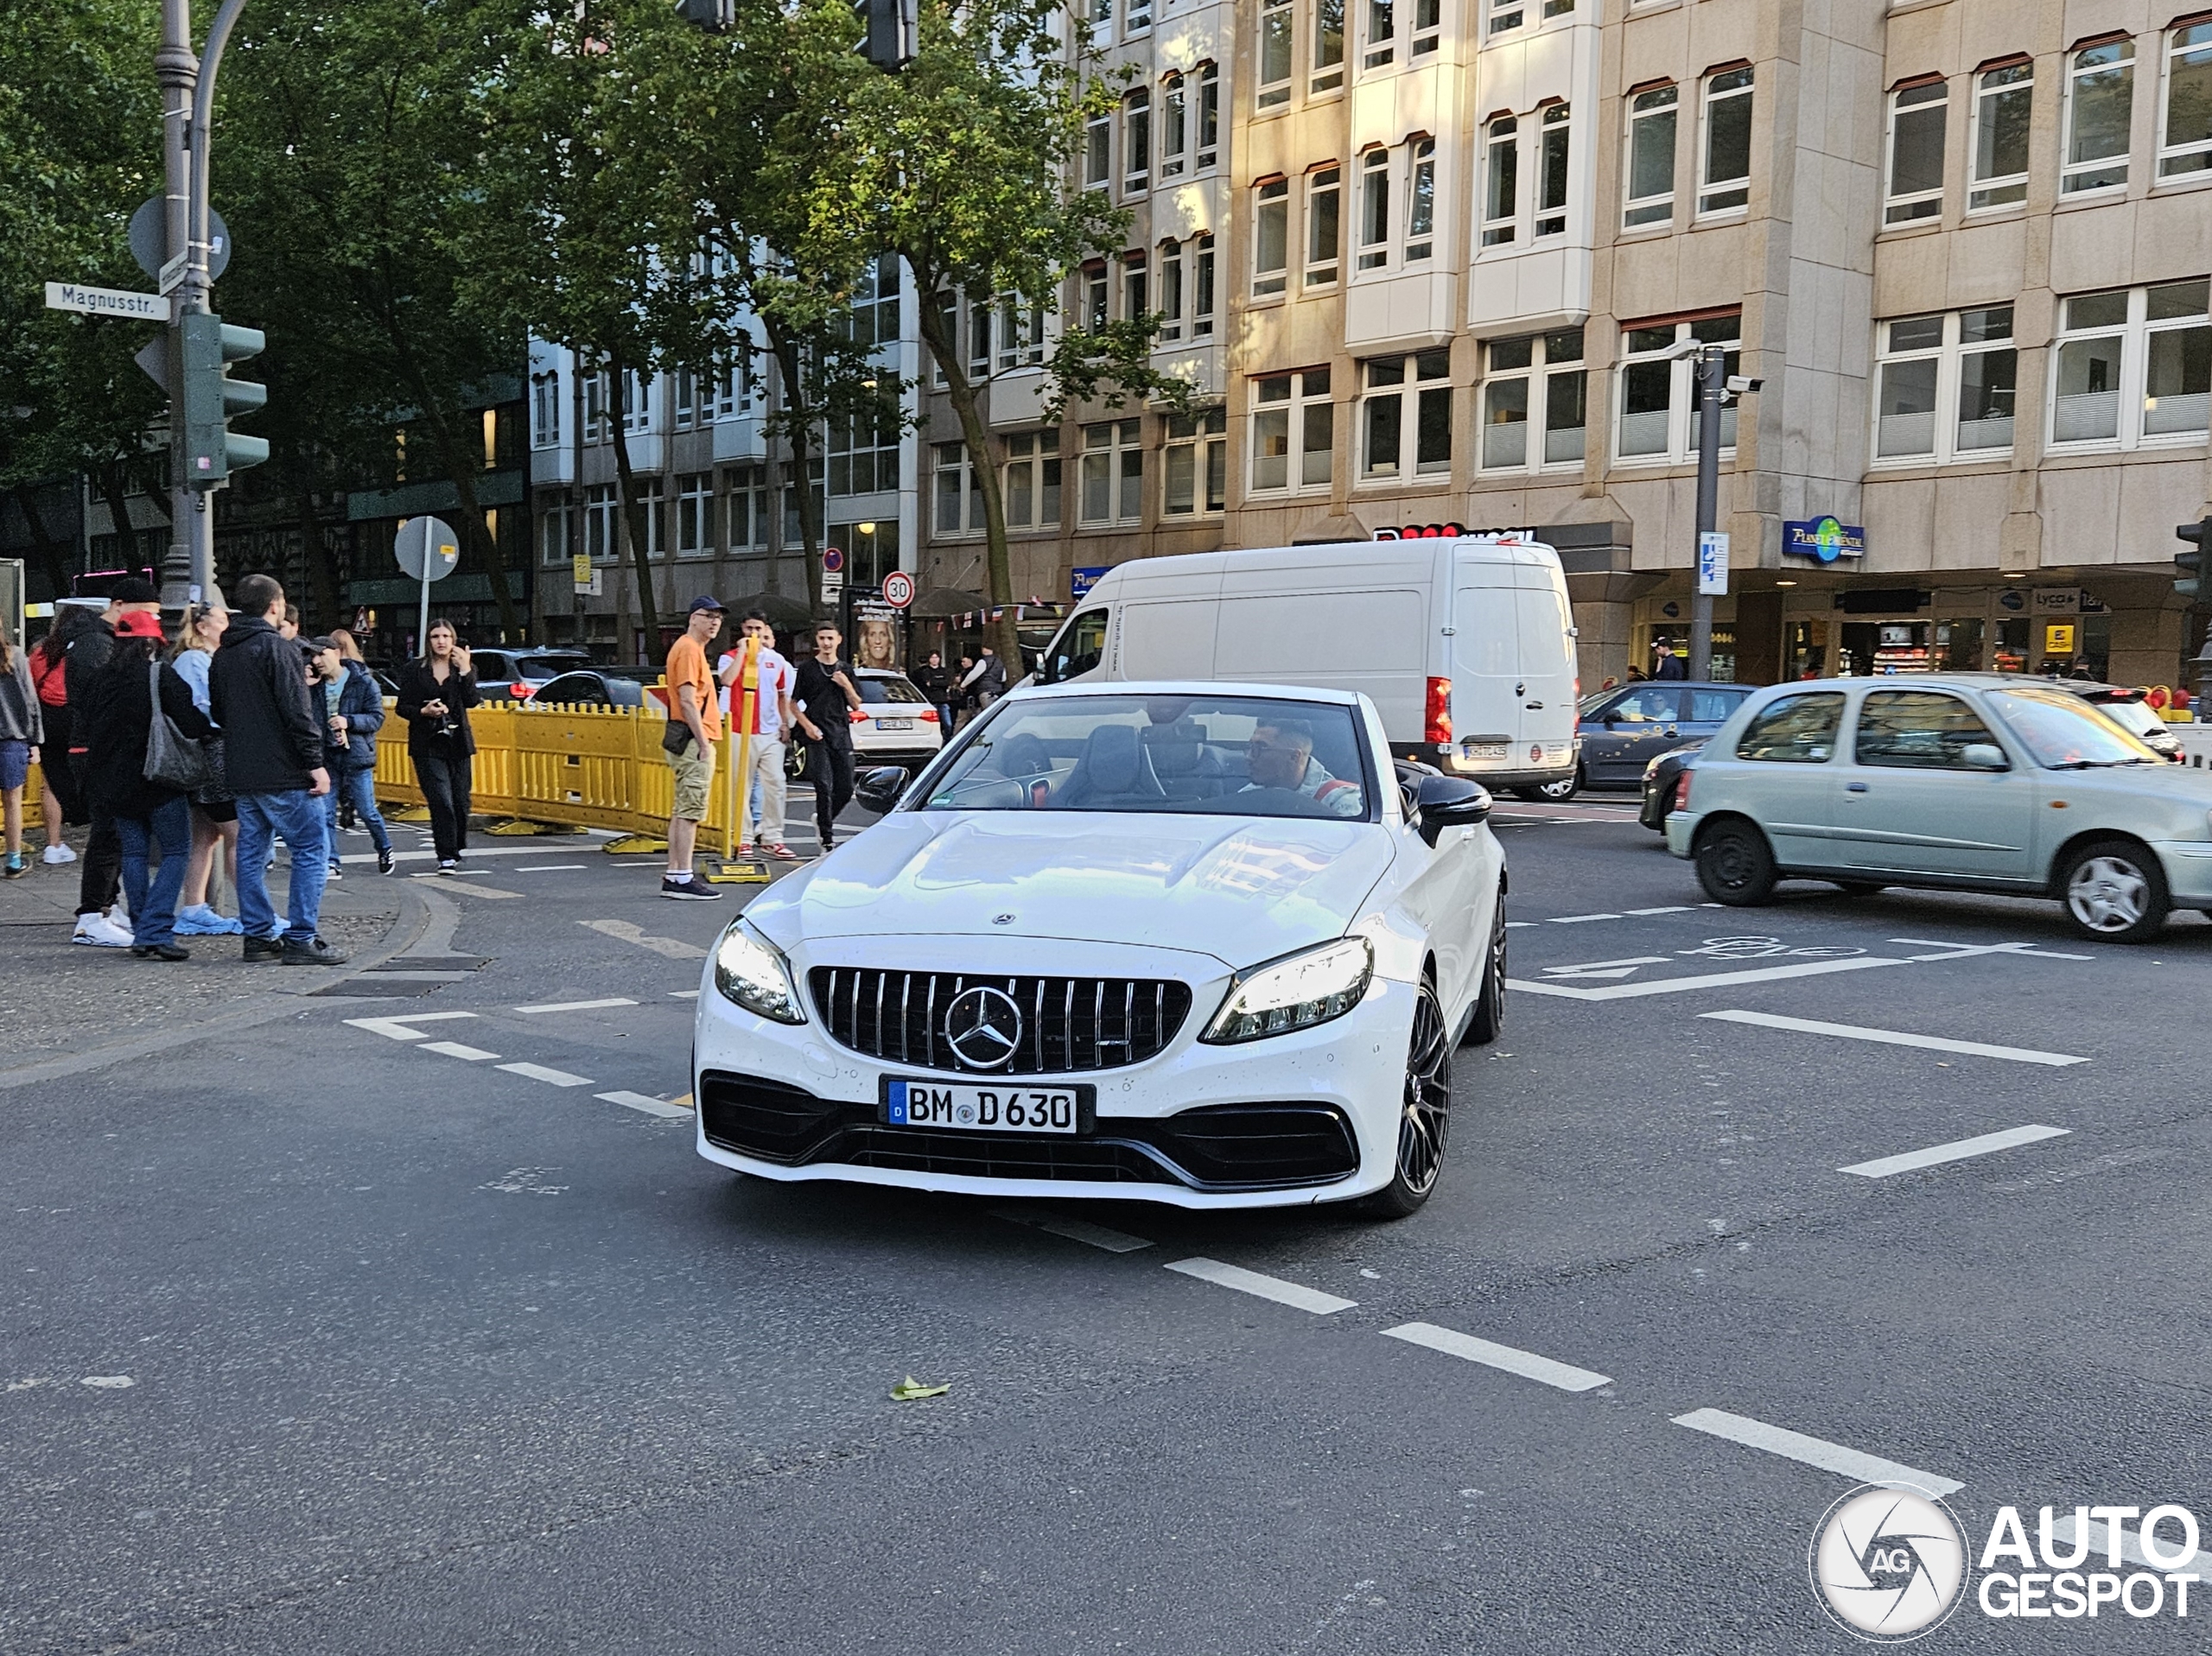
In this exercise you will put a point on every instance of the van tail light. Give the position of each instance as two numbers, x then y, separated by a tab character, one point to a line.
927	716
1682	790
1436	725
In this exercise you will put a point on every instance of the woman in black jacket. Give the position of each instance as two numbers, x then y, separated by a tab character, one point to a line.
436	693
116	719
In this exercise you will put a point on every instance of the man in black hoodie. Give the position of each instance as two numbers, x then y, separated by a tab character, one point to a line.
272	757
102	874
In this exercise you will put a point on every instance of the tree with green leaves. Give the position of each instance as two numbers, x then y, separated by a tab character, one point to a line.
962	163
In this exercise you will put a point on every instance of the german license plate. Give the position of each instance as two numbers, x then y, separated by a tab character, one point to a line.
965	1108
894	724
1484	750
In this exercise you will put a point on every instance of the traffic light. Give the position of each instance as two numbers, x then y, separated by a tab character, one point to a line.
212	399
894	32
2191	564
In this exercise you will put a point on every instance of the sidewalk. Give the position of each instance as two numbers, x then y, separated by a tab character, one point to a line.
58	997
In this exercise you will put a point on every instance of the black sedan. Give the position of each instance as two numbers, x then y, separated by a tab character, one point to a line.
1661	778
595	686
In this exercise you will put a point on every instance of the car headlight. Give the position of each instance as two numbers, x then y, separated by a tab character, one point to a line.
751	972
1294	993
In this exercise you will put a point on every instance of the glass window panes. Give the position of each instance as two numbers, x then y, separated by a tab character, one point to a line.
1552	172
1328	46
1382	31
1137	142
1293	431
1501	180
1201	287
1097	152
1428	15
1374	209
1933	364
1033	480
1195	468
1113	472
1796	730
1916	116
2185	130
2133	366
1271	238
1174	126
1534	395
1324	228
2003	97
1651	195
1916	730
1656	395
1420	201
2177	368
2100	103
1506	14
1209	117
1274	54
1725	185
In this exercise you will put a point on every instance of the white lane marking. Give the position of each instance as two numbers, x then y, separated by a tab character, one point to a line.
396	1029
473	856
1851	1463
2063	1531
1896	1038
640	1102
1710	980
1671	908
464	887
1605	968
1516	925
455	1049
1578	919
1076	1230
108	1382
575	1005
546	868
682	994
1958	1150
1251	1282
539	1072
673	948
1960	951
1527	1364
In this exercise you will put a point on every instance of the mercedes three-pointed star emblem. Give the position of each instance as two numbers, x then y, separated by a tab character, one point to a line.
982	1026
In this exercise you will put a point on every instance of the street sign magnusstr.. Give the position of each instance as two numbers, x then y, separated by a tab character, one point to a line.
107	301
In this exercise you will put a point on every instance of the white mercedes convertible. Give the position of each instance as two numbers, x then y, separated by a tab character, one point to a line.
1194	944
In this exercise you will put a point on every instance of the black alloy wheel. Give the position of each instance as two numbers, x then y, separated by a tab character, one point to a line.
1734	864
1489	1021
1424	1113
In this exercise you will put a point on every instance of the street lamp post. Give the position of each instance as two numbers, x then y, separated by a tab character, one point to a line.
1711	368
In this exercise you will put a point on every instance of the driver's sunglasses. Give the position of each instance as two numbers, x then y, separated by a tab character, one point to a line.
1255	747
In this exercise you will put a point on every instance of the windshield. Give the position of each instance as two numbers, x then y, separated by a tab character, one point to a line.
1203	755
2064	732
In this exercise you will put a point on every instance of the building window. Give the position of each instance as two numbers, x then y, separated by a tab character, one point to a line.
545	410
1033	480
1170	291
1113	473
599	540
1202	286
1271	238
1945	386
1657	396
1136	303
1420	201
695	514
2133	366
1136	142
1102	18
637	402
732	391
1725	185
1021	333
863	451
948	316
553	535
1382	31
2185	143
1506	14
1535	395
872	319
2002	101
1324	228
979	338
1137	19
957	492
1374	210
1195	470
1397	441
1650	199
1916	116
1174	128
2100	103
596	398
1551	171
652	501
1328	46
1501	180
1275	55
1098	152
1209	117
1428	30
691	399
747	504
1097	297
1293	431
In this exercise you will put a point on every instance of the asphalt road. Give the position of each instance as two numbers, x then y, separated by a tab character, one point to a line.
334	1335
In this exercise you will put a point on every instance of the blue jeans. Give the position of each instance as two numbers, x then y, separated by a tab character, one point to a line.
152	904
297	818
359	790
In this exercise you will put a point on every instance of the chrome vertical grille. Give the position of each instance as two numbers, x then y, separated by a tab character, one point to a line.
1070	1025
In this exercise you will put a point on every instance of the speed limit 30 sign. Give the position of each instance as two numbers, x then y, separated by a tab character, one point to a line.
898	589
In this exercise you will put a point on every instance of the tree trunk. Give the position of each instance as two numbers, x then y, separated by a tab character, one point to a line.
798	425
1005	635
633	511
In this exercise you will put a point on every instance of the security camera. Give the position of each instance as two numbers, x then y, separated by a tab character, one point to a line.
1743	384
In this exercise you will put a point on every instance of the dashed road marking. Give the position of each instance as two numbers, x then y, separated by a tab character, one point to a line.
1076	1230
682	994
1251	1282
447	884
396	1029
1579	919
1958	1150
674	949
546	868
1709	980
576	1006
539	1072
455	1049
1619	968
1671	908
1852	1463
1527	1364
1898	1037
642	1103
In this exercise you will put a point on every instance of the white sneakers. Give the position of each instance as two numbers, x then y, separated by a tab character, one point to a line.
101	931
57	853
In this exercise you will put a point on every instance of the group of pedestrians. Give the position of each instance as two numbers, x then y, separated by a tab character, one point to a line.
812	702
959	694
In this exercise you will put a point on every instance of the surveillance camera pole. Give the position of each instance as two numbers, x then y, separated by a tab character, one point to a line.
1712	369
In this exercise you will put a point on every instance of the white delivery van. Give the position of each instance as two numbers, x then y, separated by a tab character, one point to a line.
1465	643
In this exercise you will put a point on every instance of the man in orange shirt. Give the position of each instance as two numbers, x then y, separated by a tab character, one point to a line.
695	725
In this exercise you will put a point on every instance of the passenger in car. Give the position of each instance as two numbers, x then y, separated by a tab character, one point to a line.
1281	756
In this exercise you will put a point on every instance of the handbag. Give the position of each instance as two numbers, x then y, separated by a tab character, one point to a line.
173	758
676	738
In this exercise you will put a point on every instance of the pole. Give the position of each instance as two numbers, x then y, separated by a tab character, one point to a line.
742	704
177	69
1711	367
198	283
422	623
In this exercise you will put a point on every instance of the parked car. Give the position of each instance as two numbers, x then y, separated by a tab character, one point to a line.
595	686
1191	943
894	723
1661	778
1621	731
505	674
1973	780
2128	709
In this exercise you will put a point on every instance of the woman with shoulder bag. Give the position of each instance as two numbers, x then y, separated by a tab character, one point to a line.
436	693
141	775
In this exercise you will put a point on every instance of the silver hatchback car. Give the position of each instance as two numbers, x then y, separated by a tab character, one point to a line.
1967	781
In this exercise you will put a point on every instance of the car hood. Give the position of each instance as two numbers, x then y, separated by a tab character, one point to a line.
1240	890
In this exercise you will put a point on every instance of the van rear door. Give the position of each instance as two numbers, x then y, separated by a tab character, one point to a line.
1544	733
1487	678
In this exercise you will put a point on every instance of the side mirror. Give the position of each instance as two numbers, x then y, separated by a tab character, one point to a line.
878	791
1449	802
1984	756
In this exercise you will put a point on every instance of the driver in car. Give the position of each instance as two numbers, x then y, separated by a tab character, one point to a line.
1281	755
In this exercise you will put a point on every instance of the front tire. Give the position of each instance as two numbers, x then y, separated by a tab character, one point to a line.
1735	864
2115	892
1555	793
1489	1021
1424	1112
